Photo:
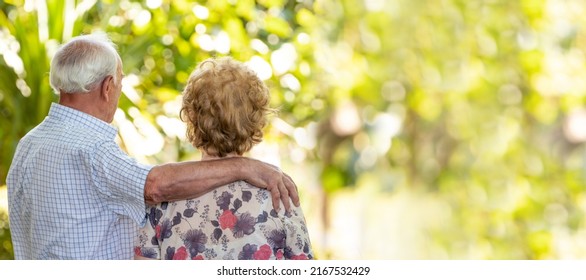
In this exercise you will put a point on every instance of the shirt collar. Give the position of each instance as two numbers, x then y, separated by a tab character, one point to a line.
70	115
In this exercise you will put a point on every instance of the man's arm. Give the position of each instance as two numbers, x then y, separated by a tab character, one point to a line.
185	180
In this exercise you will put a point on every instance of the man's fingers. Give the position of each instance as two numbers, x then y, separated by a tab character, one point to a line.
282	188
276	197
288	178
284	196
292	190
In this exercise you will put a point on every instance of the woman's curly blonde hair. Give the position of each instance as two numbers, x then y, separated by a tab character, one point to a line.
225	106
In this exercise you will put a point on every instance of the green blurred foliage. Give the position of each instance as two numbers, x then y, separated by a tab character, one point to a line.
473	102
5	240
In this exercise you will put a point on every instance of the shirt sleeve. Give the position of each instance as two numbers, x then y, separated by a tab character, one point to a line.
298	246
121	180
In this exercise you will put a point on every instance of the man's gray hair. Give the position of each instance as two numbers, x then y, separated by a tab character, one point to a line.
82	63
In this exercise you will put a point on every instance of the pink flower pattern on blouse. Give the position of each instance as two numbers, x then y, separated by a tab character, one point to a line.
236	221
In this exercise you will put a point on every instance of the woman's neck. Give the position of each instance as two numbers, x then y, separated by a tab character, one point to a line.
206	156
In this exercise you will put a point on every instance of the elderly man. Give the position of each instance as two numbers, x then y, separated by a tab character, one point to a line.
74	194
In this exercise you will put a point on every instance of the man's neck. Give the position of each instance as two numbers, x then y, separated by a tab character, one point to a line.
88	103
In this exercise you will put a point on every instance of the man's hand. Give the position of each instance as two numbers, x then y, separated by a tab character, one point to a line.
270	177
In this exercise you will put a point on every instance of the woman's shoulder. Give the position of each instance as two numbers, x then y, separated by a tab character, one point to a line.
241	193
242	188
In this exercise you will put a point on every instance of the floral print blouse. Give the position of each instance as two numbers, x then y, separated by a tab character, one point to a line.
235	221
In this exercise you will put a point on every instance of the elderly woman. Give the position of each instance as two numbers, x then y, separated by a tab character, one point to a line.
225	106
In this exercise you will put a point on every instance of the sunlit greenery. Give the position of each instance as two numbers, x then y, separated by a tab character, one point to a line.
475	108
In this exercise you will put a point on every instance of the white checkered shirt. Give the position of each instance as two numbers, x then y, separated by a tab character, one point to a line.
72	192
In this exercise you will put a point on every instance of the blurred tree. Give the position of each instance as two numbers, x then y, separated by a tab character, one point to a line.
475	103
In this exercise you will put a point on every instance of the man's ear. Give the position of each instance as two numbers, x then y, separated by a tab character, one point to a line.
107	87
